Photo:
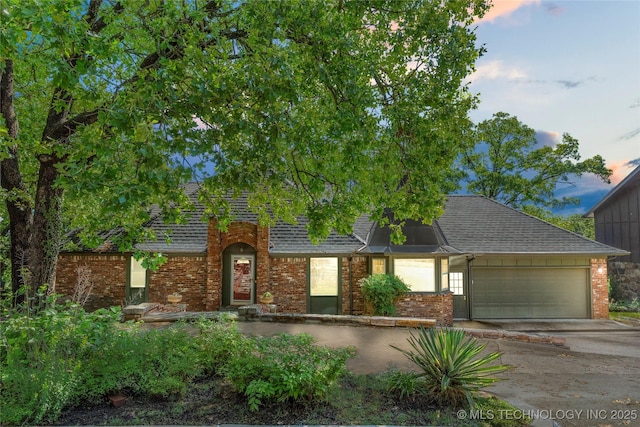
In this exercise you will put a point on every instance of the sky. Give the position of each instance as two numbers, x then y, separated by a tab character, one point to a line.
566	66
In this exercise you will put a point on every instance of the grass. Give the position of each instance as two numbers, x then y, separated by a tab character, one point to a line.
614	315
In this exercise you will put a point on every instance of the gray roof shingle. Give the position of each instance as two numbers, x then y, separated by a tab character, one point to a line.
478	225
470	224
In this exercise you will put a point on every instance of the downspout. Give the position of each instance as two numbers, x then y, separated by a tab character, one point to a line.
469	281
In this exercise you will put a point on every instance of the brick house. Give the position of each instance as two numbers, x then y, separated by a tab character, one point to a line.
479	260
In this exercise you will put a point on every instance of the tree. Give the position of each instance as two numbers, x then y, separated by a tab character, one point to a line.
575	223
329	110
506	164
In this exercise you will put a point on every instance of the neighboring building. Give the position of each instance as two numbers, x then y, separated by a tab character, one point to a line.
480	260
617	223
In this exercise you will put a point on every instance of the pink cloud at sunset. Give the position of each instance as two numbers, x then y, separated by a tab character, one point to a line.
504	8
620	171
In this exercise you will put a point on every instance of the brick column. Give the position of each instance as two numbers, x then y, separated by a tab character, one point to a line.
599	289
213	288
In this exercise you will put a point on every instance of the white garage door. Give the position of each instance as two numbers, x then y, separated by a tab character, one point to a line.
530	293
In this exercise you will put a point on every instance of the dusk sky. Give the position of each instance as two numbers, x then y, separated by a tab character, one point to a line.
566	66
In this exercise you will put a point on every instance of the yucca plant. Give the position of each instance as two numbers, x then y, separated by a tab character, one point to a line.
451	365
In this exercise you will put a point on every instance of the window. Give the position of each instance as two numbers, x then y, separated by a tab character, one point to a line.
323	276
378	266
444	274
419	274
456	281
137	274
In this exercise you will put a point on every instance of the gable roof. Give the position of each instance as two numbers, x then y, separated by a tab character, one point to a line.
470	224
479	225
633	179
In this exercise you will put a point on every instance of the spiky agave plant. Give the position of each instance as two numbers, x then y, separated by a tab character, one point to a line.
452	366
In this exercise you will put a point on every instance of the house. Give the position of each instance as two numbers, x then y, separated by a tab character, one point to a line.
617	223
479	260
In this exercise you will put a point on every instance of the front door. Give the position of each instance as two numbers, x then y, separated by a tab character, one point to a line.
458	285
241	286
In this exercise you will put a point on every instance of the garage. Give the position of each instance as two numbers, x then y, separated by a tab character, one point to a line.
530	293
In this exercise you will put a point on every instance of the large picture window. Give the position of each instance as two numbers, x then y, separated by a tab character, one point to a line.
323	276
418	274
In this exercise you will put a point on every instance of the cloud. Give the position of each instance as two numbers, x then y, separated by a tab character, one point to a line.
504	8
636	104
622	169
547	138
555	10
493	70
569	84
630	135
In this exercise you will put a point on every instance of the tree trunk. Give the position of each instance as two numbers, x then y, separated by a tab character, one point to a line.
16	197
45	238
20	218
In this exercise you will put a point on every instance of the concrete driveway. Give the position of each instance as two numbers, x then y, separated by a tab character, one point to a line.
593	381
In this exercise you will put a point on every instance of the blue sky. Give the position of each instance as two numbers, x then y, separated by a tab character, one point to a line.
566	66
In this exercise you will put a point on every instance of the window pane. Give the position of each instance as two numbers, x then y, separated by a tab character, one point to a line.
444	271
457	284
323	276
138	276
419	274
378	266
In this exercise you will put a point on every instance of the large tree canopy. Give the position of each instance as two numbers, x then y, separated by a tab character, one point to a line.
324	109
506	163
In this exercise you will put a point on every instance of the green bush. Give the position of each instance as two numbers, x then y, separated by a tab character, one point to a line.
451	365
285	367
219	342
60	357
382	291
43	360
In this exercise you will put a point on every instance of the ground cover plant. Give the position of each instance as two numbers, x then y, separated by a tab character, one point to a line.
59	366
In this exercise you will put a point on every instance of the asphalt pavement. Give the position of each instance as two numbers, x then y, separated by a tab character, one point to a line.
591	381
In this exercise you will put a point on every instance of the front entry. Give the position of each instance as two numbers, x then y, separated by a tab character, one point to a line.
242	279
458	286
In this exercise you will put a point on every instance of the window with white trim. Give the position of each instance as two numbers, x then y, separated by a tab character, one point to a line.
456	282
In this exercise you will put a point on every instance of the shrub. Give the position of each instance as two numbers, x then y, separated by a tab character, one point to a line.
219	342
382	291
285	367
58	358
451	365
43	359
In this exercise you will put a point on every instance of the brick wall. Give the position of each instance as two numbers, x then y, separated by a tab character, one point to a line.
289	284
108	273
599	289
183	274
238	232
430	306
359	270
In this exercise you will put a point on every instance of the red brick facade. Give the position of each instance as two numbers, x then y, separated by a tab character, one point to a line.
599	289
108	272
199	278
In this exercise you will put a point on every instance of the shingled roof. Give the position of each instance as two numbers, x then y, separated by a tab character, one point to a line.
470	224
478	225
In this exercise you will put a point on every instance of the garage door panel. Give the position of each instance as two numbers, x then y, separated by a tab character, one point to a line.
529	293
